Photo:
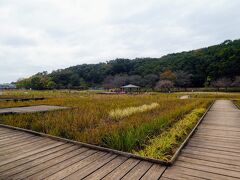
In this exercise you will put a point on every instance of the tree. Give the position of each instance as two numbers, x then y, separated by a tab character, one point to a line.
236	82
23	83
135	79
164	84
222	60
37	83
222	83
108	82
183	79
83	83
168	75
51	85
74	80
150	80
120	80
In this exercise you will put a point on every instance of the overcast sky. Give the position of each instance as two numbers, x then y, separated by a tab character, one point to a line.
38	35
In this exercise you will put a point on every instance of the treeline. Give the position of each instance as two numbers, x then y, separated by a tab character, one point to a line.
217	66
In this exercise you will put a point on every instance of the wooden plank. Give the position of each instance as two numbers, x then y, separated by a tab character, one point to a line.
21	145
219	146
209	163
205	168
44	163
178	170
154	172
234	145
138	171
52	149
6	136
221	129
25	147
5	132
210	146
210	158
62	165
12	139
73	168
122	170
218	152
178	175
15	141
23	154
87	170
212	154
106	169
217	136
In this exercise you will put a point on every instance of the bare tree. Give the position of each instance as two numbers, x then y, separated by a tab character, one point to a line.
183	79
120	80
221	83
236	82
108	82
135	79
115	81
164	84
150	80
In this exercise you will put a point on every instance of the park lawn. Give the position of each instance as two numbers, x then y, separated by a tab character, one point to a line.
128	123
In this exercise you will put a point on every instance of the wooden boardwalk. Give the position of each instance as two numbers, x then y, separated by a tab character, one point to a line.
29	109
212	153
214	150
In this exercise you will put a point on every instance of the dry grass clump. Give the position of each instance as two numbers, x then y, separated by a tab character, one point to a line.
163	146
121	113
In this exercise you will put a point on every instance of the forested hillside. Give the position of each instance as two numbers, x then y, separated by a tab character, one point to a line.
217	66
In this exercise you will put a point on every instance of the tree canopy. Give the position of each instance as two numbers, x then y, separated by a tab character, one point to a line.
197	68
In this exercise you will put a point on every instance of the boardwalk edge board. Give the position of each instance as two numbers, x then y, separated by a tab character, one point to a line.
22	99
235	103
9	113
129	155
30	106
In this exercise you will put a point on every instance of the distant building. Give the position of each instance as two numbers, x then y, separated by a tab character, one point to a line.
130	88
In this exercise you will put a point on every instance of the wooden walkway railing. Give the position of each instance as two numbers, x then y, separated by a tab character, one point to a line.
212	153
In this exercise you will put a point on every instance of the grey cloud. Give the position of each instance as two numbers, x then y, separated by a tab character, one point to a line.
50	34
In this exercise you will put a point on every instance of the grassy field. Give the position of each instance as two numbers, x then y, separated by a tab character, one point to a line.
140	124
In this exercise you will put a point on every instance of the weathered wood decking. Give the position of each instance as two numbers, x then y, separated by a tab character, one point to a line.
26	156
212	153
29	109
214	150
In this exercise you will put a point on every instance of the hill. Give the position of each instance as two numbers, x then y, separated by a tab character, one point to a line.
212	65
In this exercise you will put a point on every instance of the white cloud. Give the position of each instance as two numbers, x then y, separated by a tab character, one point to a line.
50	34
